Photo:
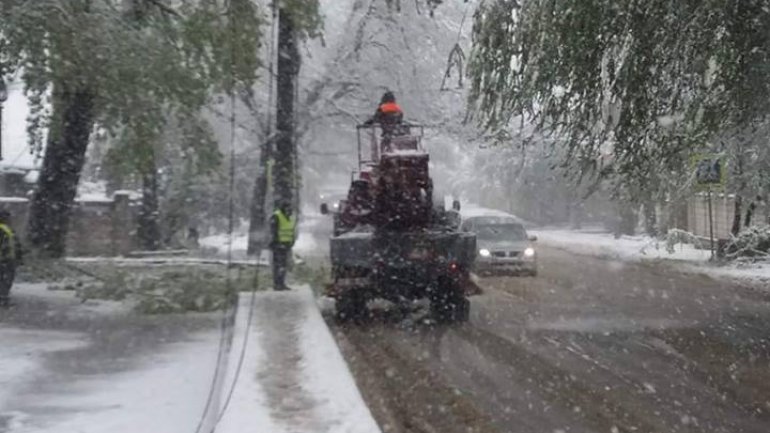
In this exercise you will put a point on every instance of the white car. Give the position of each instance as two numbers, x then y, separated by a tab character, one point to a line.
503	246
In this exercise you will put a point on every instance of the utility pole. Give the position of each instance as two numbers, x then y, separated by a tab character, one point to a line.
284	170
277	165
258	217
278	151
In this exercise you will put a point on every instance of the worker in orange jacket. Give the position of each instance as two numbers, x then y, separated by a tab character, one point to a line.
390	117
389	113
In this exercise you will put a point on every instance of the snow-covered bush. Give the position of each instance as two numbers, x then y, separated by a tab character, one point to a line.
751	242
180	291
677	236
164	290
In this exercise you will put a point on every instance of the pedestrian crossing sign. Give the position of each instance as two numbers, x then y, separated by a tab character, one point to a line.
709	170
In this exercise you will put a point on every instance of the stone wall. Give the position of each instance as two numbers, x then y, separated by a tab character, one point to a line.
97	227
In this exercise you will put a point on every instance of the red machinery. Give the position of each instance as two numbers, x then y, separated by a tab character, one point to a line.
389	240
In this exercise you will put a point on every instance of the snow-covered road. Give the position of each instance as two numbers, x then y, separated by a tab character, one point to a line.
589	345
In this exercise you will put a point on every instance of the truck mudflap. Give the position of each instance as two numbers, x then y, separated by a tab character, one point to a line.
471	286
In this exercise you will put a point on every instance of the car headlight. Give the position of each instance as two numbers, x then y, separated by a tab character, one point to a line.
529	252
484	252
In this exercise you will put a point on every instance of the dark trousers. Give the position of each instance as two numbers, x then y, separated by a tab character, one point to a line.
7	275
280	259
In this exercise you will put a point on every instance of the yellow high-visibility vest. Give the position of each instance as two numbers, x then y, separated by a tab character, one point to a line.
286	227
11	242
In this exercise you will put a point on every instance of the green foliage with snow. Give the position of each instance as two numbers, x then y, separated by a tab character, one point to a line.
137	59
630	87
168	289
306	16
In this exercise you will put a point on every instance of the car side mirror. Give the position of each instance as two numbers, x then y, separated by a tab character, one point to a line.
324	209
533	238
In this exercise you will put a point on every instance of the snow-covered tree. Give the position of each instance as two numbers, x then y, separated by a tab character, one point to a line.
645	82
120	65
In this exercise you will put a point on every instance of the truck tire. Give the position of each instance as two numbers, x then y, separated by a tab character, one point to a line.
351	307
462	309
448	303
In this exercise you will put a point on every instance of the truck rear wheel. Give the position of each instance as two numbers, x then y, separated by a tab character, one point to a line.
351	307
351	300
448	302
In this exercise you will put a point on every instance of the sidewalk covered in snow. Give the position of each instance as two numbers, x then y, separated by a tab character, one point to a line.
293	377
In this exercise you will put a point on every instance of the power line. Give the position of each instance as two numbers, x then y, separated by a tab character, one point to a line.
229	285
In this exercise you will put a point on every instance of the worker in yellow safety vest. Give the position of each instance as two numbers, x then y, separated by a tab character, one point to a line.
10	257
284	230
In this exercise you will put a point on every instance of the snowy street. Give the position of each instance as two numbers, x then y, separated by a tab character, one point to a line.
593	344
384	216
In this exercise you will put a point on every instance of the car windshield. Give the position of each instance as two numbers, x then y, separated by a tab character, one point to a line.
501	232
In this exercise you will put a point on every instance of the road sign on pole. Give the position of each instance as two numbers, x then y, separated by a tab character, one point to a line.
709	169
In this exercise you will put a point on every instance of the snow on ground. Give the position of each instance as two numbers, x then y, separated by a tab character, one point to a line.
67	298
96	191
638	248
293	378
469	210
59	372
93	367
164	261
625	247
221	242
23	353
41	290
310	236
92	191
306	244
166	394
752	272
